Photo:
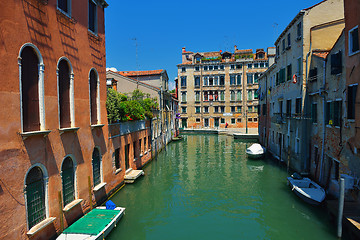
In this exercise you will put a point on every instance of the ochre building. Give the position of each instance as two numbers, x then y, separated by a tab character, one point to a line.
220	89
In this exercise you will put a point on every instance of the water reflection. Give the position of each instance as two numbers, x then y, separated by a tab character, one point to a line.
204	187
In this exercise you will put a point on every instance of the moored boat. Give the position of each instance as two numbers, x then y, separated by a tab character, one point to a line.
95	225
306	189
255	151
177	138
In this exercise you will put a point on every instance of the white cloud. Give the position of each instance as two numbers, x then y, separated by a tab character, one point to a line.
111	69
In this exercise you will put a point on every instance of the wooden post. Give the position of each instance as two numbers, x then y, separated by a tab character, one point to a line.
61	212
341	206
90	194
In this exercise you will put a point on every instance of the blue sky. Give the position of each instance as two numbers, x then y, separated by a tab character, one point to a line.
162	28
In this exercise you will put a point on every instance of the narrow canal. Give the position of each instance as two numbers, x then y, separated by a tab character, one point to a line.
204	187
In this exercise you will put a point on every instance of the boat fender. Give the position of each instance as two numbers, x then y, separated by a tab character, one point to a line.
293	188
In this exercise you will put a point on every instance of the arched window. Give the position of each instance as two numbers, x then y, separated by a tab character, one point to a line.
94	99
96	163
64	93
35	196
30	89
68	180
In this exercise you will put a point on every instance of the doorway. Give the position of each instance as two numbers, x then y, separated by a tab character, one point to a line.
216	122
127	166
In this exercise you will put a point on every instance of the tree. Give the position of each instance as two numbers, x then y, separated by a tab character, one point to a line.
134	106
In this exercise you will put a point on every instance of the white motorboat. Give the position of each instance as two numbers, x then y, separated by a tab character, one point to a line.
255	151
306	189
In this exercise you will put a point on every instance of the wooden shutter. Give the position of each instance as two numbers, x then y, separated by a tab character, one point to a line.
64	94
93	95
30	90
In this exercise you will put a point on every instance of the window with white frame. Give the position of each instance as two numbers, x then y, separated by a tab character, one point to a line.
197	96
232	79
94	97
35	195
66	93
250	77
183	96
239	96
232	95
222	95
31	68
354	40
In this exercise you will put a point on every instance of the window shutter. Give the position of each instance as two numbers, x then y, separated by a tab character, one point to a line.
64	94
30	90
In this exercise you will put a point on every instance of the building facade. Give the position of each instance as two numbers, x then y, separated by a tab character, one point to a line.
220	89
54	156
285	120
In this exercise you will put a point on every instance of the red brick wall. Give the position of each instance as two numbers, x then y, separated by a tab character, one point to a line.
55	35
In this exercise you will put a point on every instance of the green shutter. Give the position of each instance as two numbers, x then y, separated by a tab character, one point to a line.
35	198
68	186
96	167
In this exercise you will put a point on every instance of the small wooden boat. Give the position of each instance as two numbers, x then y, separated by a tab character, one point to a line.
255	151
306	189
178	138
95	225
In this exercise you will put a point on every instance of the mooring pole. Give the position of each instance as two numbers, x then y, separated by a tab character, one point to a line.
341	206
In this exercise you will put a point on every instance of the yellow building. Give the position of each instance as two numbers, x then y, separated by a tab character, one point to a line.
220	89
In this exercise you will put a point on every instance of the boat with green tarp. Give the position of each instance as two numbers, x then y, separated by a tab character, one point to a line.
97	224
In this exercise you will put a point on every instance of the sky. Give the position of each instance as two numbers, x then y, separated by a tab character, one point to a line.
149	35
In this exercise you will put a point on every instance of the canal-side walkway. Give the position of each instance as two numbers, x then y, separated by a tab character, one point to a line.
240	133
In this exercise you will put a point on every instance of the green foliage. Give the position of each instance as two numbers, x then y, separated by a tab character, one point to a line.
244	56
211	59
135	106
172	91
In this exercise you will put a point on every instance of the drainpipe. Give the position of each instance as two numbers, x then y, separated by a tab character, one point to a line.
324	125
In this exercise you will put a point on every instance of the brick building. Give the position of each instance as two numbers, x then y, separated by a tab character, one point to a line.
219	88
57	155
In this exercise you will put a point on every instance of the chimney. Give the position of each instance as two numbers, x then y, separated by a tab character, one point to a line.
235	48
183	49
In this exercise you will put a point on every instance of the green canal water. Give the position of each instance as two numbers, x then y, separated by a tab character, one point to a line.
204	187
